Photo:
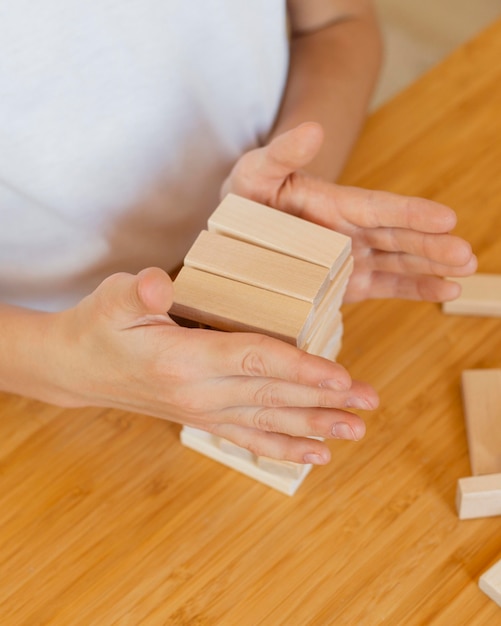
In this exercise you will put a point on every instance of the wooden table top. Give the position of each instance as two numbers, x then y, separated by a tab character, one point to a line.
105	519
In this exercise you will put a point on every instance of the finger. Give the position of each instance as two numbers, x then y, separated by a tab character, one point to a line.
276	445
260	173
305	422
402	263
127	298
255	355
440	248
347	208
373	285
252	392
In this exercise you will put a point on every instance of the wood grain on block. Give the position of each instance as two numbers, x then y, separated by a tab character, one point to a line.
480	295
479	496
261	225
482	408
233	306
254	265
329	328
490	583
208	445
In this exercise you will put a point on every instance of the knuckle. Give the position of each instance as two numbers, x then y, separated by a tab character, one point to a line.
264	419
268	395
253	363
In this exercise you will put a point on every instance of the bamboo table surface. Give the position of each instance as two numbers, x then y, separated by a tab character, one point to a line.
105	519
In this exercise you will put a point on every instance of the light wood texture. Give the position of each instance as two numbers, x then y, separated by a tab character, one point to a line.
258	224
280	476
106	519
258	266
234	306
481	295
490	583
479	496
482	409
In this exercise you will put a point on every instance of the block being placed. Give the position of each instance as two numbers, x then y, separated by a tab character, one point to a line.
234	306
479	496
260	270
490	583
480	295
254	265
263	226
482	408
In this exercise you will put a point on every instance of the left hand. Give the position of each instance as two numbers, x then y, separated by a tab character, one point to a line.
402	246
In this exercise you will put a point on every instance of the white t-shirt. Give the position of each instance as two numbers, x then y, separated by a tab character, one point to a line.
119	120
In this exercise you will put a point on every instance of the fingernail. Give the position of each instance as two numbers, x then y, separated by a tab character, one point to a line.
336	385
315	459
357	403
341	430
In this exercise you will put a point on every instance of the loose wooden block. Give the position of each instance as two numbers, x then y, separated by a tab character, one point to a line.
490	583
254	265
208	444
258	224
233	306
481	295
482	408
479	496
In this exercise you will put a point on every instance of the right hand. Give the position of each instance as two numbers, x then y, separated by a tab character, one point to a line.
118	348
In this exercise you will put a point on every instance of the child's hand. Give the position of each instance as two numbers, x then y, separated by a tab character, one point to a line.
118	348
401	246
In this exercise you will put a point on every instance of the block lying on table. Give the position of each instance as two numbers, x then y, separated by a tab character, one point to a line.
481	295
490	583
482	408
479	496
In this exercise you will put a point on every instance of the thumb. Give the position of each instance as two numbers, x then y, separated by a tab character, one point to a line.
292	150
266	169
134	300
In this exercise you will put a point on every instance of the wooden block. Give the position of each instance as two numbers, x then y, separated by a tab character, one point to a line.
479	496
233	306
481	295
490	583
208	445
325	332
261	225
254	265
482	407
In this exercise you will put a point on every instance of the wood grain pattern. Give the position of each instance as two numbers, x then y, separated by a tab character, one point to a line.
234	306
258	224
482	408
254	265
106	519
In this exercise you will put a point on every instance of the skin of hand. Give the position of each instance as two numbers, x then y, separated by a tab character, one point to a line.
118	348
402	246
336	52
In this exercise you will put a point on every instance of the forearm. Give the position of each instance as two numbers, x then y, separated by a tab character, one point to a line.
335	60
26	353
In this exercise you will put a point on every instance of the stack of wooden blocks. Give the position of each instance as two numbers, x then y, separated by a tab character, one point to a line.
257	269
